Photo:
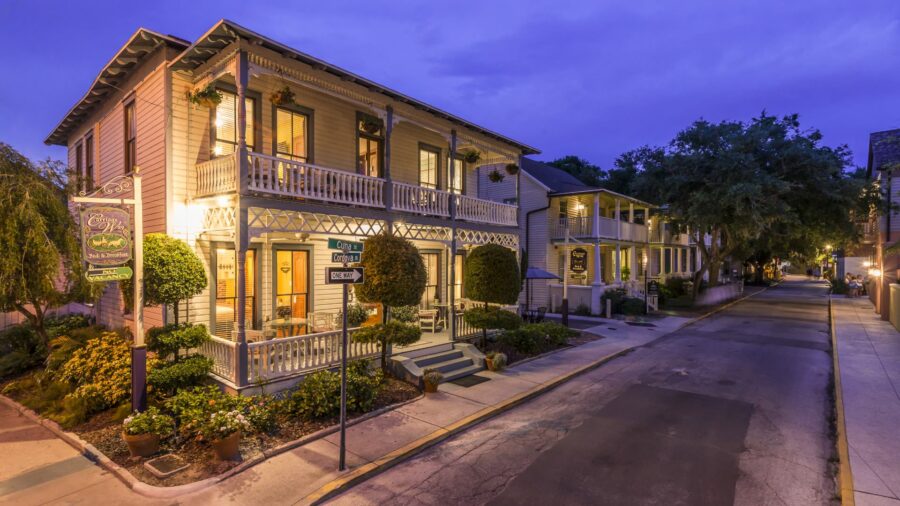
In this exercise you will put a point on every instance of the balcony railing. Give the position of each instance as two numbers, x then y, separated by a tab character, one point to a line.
633	232
583	226
272	175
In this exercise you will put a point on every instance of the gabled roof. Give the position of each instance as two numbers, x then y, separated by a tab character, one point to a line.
226	32
556	180
141	44
884	150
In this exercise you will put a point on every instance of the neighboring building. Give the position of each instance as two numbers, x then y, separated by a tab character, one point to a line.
258	187
884	166
619	240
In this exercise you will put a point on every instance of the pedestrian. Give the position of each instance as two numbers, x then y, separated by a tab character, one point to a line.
809	273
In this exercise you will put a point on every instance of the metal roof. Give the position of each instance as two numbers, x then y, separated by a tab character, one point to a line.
884	150
226	32
141	44
560	182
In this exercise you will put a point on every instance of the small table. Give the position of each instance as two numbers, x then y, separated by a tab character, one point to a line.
286	327
442	313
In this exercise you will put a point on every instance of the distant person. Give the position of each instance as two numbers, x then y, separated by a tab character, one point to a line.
809	273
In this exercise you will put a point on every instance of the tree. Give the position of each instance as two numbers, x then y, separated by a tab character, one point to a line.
394	276
583	170
172	272
40	254
492	277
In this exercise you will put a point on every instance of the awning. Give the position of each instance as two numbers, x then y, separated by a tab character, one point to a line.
535	273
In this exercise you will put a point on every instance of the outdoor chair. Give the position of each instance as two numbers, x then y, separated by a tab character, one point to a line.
428	320
539	317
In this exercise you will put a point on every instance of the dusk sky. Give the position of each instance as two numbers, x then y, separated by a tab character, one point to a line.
593	79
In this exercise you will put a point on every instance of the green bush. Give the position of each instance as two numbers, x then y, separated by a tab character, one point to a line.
261	411
390	333
527	341
357	314
555	334
173	376
616	296
319	395
493	318
491	275
632	306
170	339
192	407
405	314
363	388
62	347
20	349
583	310
64	325
150	421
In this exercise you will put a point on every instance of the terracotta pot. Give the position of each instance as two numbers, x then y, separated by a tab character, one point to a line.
489	362
141	445
431	388
227	448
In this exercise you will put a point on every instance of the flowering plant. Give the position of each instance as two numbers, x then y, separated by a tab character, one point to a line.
222	424
149	422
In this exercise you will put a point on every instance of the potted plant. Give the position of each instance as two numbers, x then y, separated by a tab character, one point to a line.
284	96
496	361
495	176
370	124
512	169
223	430
142	431
357	314
432	379
471	156
206	97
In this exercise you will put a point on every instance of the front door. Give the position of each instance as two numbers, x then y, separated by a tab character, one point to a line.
291	285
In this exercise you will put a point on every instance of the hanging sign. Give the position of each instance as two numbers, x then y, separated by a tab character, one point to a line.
97	274
653	287
578	260
106	236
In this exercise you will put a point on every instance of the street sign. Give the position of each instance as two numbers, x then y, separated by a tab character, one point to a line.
344	275
95	274
344	245
578	260
345	258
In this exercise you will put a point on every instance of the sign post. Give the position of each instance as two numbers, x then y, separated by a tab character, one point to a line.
107	246
350	252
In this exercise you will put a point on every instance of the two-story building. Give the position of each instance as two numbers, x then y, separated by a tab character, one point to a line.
883	232
296	152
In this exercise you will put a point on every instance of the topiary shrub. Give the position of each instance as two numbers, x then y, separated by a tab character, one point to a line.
492	275
493	318
168	340
392	333
187	372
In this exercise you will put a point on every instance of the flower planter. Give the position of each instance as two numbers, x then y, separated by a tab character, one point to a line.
489	362
228	448
431	388
141	445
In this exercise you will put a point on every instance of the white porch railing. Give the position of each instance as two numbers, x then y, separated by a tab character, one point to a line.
485	211
421	200
608	227
280	176
224	353
216	176
634	232
275	358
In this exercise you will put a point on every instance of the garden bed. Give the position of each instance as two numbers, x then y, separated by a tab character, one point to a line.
104	432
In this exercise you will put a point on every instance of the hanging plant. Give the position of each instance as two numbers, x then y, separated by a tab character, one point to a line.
471	156
206	97
284	96
370	124
495	176
512	169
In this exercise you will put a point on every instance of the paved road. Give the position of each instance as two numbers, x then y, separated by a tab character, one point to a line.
731	410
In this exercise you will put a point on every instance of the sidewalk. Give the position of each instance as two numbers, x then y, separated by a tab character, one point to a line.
290	477
869	353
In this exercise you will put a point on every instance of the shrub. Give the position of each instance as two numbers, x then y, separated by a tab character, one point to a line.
261	412
20	349
363	388
222	424
319	395
491	275
555	334
150	421
583	310
527	341
170	339
357	314
390	333
405	314
64	325
173	376
633	306
193	406
492	318
616	296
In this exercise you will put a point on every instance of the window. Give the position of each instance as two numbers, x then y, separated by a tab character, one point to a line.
428	166
684	265
291	284
79	165
225	313
460	261
89	162
432	268
370	145
667	254
130	138
563	210
292	134
457	185
511	200
224	128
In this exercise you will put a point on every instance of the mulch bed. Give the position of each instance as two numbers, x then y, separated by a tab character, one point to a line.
105	434
513	356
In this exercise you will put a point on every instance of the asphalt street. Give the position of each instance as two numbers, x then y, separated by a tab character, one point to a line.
733	409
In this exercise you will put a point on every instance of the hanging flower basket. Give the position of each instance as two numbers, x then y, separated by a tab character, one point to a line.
495	176
512	169
206	97
371	125
284	96
471	156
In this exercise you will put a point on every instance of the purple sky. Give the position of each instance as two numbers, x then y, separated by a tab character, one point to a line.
587	78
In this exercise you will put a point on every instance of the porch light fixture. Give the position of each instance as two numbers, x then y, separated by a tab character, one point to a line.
875	272
867	264
223	201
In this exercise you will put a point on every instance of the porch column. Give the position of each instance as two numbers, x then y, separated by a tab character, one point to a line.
631	212
595	222
388	196
451	310
618	263
241	235
632	255
618	221
596	286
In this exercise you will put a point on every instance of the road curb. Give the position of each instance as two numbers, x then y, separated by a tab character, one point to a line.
845	473
364	472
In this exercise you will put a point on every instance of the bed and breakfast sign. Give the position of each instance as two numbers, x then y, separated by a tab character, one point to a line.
106	242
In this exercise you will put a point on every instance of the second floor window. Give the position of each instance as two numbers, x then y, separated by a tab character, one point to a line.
370	145
563	211
457	184
89	163
428	166
291	135
79	167
224	127
130	138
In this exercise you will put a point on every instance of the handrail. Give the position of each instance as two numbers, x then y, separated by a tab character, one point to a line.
421	200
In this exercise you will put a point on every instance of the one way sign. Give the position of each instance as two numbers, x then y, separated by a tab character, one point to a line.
344	275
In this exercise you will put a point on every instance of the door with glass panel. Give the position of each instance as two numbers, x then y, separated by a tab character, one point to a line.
225	309
432	293
291	292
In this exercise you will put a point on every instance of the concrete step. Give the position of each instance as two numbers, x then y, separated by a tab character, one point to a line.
459	373
451	365
429	360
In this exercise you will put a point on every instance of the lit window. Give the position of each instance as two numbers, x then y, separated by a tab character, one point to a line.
370	144
225	139
428	167
291	135
458	184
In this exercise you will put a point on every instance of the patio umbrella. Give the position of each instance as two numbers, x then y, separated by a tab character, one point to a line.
535	273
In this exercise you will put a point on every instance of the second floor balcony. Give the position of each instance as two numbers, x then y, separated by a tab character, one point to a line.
598	227
280	177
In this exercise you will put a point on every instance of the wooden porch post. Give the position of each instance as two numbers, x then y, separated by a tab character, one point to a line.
451	310
618	243
388	184
241	234
595	222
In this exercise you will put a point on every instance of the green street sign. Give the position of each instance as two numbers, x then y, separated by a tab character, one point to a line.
343	245
95	274
345	258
